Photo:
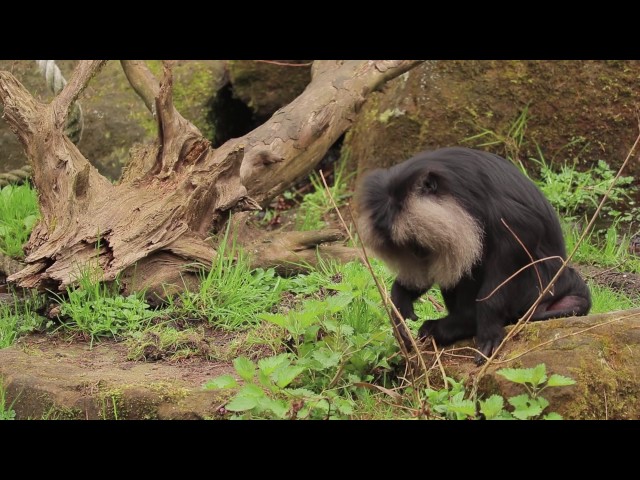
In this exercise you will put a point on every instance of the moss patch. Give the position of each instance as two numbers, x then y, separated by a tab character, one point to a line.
584	109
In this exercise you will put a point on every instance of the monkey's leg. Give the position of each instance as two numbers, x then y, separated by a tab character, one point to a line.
461	321
572	297
490	332
403	298
450	329
567	306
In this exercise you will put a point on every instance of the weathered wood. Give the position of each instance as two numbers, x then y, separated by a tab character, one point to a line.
175	191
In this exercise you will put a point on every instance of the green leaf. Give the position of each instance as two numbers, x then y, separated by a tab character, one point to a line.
464	407
245	368
322	405
516	375
344	406
223	381
556	380
326	357
284	376
538	375
268	365
552	416
338	302
525	407
492	406
241	404
301	393
251	390
246	399
533	376
520	401
542	402
265	381
275	318
279	408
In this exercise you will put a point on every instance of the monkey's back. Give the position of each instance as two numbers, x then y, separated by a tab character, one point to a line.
496	192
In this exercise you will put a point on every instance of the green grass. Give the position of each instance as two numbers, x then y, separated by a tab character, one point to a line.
606	249
231	294
96	309
6	411
574	193
317	204
510	141
606	300
19	319
18	214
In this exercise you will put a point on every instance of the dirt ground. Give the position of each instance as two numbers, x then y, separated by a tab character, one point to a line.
49	378
54	376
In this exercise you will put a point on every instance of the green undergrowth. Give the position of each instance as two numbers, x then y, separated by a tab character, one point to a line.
317	204
313	210
231	295
6	409
606	248
605	299
18	214
96	310
20	318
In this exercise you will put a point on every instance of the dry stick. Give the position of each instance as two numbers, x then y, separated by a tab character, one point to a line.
535	347
383	294
439	362
525	318
433	302
526	251
555	257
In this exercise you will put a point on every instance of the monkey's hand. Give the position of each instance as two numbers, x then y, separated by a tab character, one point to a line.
403	299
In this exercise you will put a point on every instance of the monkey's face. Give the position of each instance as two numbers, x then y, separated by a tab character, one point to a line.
410	217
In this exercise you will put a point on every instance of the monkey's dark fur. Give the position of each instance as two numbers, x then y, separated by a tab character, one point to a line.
437	218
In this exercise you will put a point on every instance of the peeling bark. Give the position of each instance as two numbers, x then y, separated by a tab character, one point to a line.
155	221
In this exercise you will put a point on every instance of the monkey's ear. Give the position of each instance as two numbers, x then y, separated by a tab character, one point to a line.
430	184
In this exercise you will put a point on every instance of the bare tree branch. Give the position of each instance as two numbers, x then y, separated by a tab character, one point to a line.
292	142
84	71
153	224
144	82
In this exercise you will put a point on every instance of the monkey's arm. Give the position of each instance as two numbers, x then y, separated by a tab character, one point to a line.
403	298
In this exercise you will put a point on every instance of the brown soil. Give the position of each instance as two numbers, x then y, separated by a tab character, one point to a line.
48	378
623	282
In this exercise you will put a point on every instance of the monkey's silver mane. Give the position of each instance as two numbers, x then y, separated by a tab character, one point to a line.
448	238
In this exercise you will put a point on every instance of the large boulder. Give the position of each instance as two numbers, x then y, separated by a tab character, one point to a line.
600	352
583	109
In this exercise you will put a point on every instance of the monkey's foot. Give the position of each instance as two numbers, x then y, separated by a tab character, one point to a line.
487	347
427	329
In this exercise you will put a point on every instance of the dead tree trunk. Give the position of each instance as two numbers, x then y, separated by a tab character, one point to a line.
153	223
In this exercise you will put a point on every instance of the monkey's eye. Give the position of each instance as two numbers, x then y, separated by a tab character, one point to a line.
430	184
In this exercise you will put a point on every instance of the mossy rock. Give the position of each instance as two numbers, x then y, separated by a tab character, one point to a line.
43	380
583	109
600	352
